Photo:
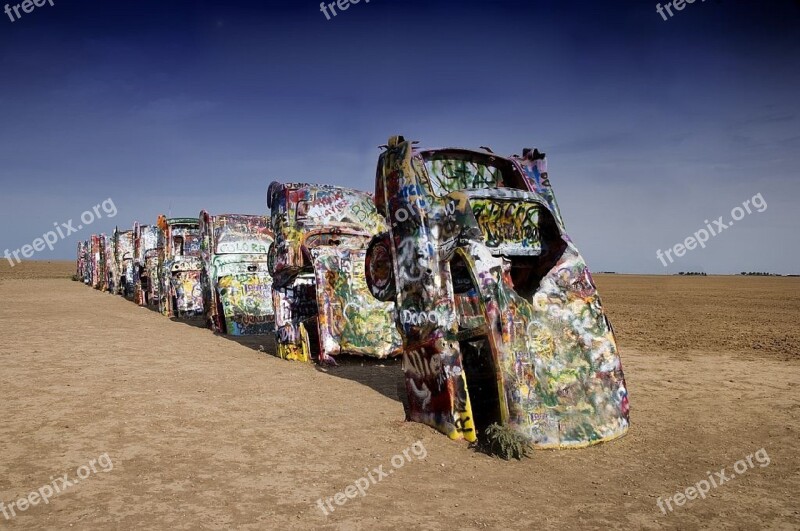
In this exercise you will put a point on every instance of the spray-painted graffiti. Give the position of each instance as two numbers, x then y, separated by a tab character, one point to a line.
508	225
435	395
180	292
434	317
98	261
236	286
320	293
148	241
350	319
83	271
246	302
499	313
112	273
124	247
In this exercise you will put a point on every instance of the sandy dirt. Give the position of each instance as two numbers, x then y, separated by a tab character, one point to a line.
207	432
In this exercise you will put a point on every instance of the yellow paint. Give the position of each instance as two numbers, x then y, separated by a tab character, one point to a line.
292	352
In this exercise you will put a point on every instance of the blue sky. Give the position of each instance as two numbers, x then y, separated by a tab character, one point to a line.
651	127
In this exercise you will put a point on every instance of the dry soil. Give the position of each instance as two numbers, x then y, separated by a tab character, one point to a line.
207	432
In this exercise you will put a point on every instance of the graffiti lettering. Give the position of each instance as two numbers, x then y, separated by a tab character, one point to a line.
242	247
419	365
258	288
286	334
254	319
423	394
410	261
543	419
362	212
401	215
430	317
413	192
462	424
507	222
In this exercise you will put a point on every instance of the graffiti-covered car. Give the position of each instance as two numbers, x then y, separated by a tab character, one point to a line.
124	241
97	263
83	268
501	318
180	293
111	265
235	280
322	304
147	243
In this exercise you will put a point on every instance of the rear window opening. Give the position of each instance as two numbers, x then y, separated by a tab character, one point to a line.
450	172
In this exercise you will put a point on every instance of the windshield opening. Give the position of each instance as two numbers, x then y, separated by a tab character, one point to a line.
185	241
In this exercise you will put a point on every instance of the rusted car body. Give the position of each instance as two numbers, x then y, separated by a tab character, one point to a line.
98	261
124	246
501	318
111	265
180	292
235	280
148	241
83	264
322	303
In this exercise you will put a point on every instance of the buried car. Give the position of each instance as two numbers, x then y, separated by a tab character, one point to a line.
97	261
111	266
148	241
83	271
180	293
235	280
501	318
322	304
123	253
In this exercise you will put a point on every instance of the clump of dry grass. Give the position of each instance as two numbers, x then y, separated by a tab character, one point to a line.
505	443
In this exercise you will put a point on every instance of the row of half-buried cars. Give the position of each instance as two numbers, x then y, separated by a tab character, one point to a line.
153	265
460	263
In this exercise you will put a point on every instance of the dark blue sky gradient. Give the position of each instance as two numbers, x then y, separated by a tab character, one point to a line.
650	126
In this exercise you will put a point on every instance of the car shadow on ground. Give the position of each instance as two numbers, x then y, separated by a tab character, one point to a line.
196	321
384	376
264	343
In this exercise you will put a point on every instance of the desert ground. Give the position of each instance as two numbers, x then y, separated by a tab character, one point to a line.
207	432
